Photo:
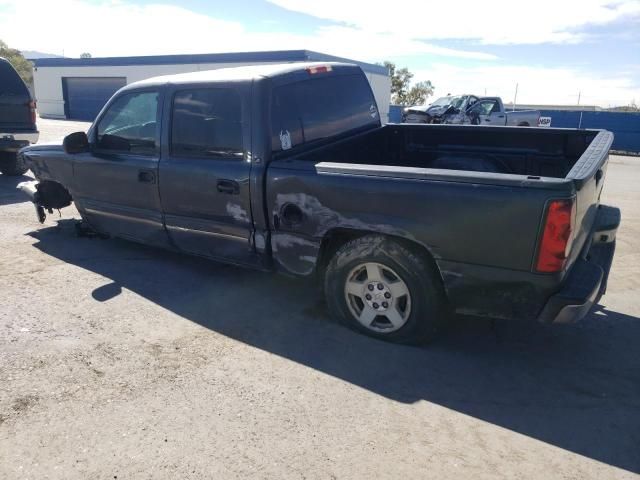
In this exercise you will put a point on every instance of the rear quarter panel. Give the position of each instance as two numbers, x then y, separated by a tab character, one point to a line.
482	237
529	117
483	224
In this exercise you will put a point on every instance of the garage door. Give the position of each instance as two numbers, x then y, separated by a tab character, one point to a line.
85	96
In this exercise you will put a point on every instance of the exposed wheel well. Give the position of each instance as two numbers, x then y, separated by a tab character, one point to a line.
53	195
523	124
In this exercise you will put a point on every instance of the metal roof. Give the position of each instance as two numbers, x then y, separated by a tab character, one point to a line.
282	56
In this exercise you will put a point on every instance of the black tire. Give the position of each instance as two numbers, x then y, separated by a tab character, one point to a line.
12	164
428	312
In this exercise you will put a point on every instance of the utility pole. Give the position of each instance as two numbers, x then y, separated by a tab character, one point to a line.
579	93
515	97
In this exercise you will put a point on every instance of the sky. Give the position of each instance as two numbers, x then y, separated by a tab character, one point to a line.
557	52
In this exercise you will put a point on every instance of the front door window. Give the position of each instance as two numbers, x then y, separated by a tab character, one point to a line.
130	124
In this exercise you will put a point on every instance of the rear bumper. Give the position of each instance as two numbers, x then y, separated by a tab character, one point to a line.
14	141
587	281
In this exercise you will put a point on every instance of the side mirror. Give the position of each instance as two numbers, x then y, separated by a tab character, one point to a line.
76	142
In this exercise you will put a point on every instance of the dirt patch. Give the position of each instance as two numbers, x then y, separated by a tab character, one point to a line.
24	403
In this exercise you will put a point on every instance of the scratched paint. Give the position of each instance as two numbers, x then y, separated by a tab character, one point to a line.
238	213
324	219
298	253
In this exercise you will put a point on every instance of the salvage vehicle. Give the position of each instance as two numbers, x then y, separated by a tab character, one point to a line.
470	110
491	111
287	168
17	119
439	111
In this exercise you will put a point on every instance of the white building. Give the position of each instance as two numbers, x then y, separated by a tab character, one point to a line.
77	88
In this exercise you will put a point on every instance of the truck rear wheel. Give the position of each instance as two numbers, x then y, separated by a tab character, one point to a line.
380	288
12	164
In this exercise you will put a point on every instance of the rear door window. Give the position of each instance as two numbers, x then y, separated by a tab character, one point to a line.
10	81
207	122
321	108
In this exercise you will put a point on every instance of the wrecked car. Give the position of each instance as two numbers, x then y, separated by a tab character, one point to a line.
470	110
443	110
491	111
287	168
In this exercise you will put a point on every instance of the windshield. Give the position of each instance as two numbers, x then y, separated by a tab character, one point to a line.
455	102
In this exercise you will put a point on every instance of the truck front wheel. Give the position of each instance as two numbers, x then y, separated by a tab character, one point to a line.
378	287
12	164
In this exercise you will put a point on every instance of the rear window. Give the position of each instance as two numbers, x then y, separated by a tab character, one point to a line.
207	122
315	109
10	81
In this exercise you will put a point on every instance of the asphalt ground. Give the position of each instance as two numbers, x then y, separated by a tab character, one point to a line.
122	361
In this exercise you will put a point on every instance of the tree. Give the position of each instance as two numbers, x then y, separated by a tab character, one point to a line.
402	92
85	55
21	64
419	93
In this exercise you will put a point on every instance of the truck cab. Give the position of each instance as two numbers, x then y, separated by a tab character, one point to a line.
491	111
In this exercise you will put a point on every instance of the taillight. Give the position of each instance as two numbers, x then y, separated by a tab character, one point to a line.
318	69
556	236
32	109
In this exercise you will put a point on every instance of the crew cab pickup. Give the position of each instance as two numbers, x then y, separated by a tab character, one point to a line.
470	110
17	119
440	111
491	111
287	168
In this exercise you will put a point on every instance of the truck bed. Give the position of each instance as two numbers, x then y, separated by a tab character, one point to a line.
474	198
517	151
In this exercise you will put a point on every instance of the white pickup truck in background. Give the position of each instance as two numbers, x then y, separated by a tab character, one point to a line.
470	110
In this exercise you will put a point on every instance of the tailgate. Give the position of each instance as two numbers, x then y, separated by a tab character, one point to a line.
588	175
15	113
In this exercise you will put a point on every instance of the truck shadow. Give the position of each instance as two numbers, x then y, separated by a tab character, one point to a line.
8	192
575	387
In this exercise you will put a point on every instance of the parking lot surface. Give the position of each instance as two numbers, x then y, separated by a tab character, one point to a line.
122	361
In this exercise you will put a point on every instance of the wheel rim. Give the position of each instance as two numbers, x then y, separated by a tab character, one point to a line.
377	297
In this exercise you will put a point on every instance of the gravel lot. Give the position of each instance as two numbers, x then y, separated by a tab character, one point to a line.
121	361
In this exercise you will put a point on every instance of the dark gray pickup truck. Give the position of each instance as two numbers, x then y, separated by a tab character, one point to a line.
17	119
287	168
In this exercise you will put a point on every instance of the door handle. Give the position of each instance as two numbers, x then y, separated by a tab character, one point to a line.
487	120
145	176
229	187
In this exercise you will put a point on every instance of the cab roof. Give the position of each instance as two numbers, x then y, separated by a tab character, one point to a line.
245	73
